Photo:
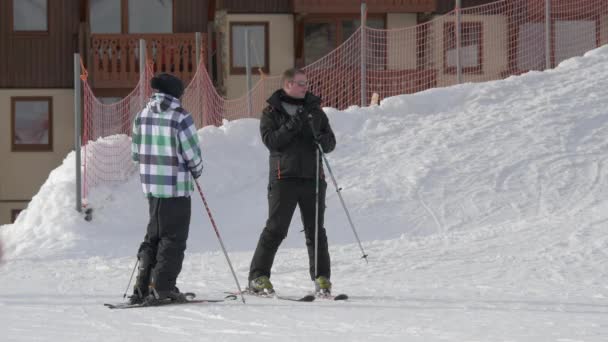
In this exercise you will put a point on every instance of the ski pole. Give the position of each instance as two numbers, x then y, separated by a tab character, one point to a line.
338	189
130	279
219	238
317	220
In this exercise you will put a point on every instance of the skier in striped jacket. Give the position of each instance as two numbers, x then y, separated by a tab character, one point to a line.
166	146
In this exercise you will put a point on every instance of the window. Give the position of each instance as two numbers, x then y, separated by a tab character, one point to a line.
531	54
321	34
32	124
14	214
131	16
573	38
31	16
319	40
471	50
258	46
104	16
147	16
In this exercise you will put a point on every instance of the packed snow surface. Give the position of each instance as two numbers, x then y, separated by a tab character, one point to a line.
483	208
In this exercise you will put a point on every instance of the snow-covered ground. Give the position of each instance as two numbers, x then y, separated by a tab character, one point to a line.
483	208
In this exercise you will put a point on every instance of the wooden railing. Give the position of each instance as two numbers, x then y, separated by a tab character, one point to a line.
114	58
350	6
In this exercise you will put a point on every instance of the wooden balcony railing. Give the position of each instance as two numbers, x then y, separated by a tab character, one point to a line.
374	6
113	59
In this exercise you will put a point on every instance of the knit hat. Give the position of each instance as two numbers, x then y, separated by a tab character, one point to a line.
168	84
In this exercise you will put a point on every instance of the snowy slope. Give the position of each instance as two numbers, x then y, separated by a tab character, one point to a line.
482	206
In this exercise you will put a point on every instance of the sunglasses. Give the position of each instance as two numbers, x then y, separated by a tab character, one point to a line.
301	83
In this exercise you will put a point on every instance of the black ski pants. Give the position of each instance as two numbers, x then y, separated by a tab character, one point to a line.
283	196
162	252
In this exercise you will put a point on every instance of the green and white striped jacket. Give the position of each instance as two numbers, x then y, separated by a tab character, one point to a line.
166	145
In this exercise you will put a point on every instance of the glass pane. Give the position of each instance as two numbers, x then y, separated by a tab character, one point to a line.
349	26
30	15
469	56
105	16
531	54
471	35
32	122
573	38
319	40
377	23
257	45
150	16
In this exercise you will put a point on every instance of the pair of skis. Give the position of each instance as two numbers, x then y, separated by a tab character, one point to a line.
307	298
190	299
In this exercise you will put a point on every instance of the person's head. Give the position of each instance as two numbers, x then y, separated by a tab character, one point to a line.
295	83
168	84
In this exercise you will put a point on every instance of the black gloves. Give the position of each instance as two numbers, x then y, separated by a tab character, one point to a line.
196	175
296	121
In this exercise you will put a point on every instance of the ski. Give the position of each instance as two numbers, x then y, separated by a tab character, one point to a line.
274	295
168	302
307	298
340	296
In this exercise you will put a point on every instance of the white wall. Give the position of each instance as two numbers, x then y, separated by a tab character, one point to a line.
22	173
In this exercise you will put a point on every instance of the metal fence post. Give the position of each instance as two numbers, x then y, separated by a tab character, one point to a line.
363	53
77	129
248	72
548	34
142	71
458	41
197	38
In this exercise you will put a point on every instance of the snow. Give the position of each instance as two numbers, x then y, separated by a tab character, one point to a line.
482	208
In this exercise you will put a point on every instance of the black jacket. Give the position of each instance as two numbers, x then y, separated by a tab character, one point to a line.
292	153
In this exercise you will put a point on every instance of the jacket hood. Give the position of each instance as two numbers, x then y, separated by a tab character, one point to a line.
160	102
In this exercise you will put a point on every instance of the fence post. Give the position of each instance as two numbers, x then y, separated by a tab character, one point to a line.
363	53
197	38
248	72
547	34
209	52
77	129
142	71
458	41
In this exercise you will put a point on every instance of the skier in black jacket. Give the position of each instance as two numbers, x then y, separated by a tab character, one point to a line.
286	131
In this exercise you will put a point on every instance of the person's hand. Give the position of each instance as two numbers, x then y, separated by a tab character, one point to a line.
196	175
294	123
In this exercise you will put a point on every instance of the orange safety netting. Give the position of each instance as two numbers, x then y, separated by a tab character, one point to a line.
497	40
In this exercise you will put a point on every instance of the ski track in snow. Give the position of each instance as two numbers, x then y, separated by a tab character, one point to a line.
483	208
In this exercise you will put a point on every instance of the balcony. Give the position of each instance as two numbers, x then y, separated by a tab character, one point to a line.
113	59
373	6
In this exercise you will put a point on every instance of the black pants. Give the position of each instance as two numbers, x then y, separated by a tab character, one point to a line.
162	252
283	196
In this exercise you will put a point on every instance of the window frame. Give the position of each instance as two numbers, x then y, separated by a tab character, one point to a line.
234	70
15	214
451	26
124	18
31	147
28	33
335	19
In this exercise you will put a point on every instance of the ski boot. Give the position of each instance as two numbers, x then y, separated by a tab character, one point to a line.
322	287
261	286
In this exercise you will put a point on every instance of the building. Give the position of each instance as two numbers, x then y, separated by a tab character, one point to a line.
38	39
413	48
